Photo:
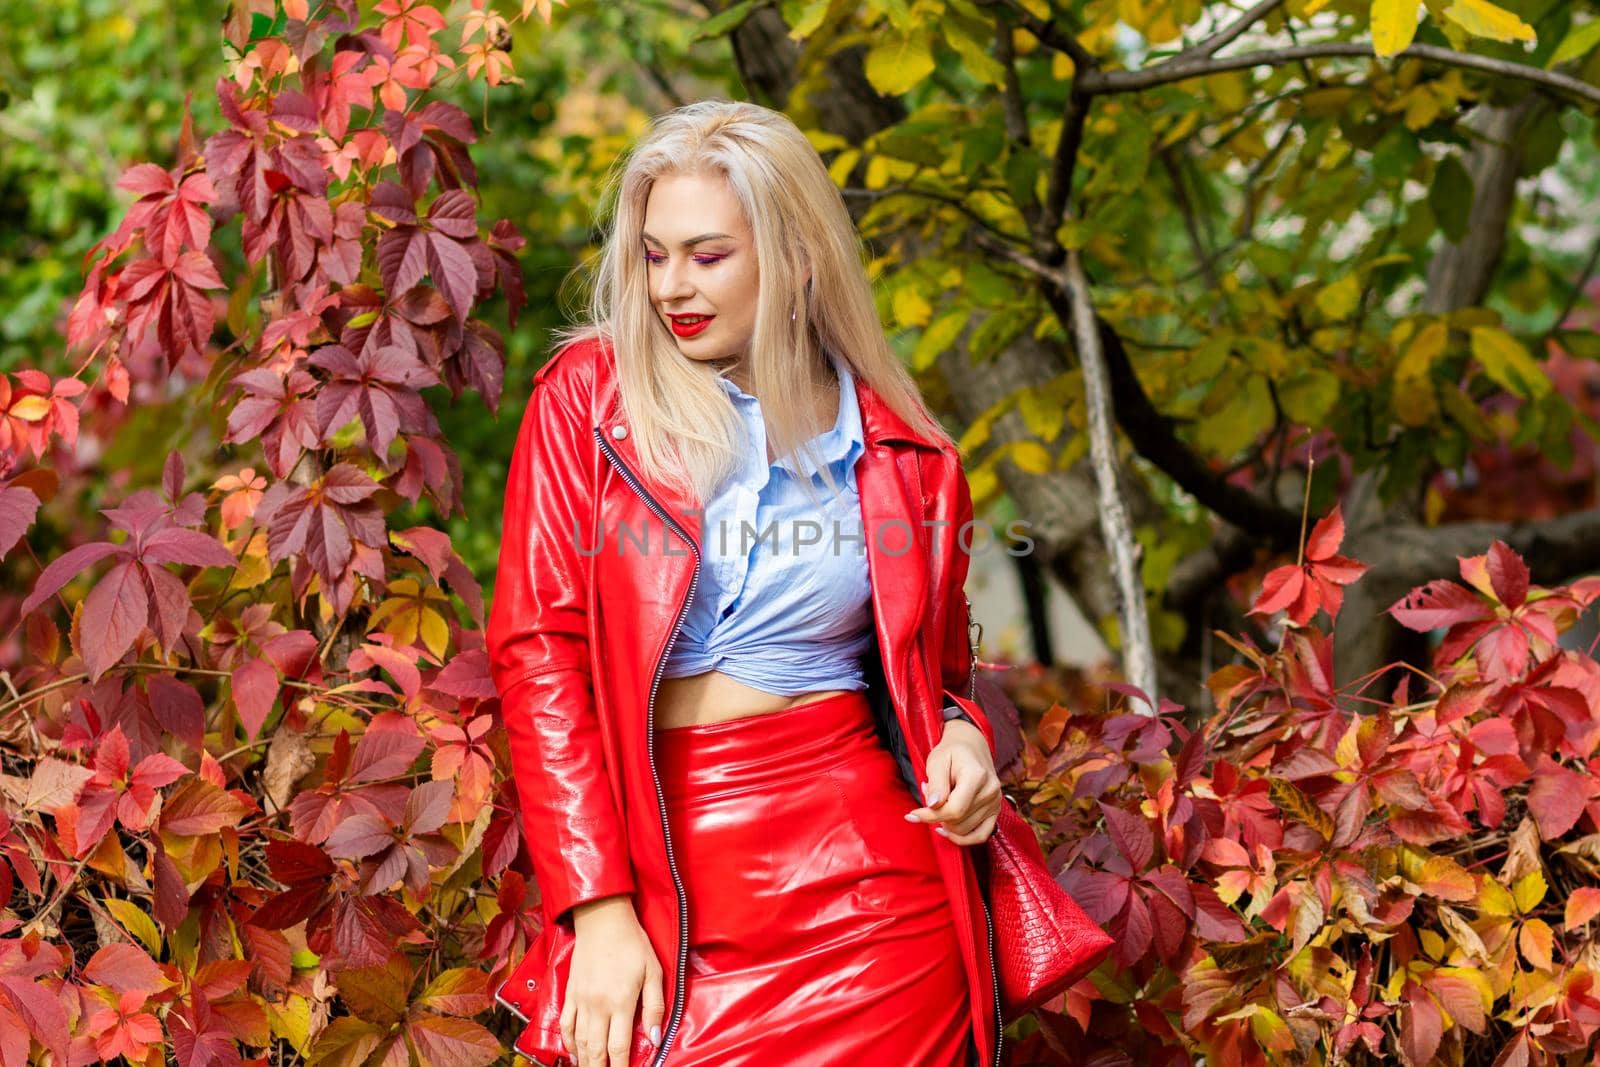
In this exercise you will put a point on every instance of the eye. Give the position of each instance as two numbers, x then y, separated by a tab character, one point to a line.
653	257
706	261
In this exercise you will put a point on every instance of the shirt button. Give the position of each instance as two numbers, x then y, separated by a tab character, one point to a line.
619	431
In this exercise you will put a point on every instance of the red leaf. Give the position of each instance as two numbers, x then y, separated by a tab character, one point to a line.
1281	588
255	687
1326	536
1437	604
1422	1026
174	545
114	613
125	968
384	754
1557	798
1132	835
451	1042
1508	575
360	836
65	568
198	808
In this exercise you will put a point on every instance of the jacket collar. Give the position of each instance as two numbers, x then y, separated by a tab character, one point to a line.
881	425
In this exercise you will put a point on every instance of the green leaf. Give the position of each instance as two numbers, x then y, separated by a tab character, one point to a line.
1508	363
993	334
727	20
1450	197
804	18
969	38
1307	398
1577	43
939	335
899	65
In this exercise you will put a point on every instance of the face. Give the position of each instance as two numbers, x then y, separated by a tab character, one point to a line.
700	259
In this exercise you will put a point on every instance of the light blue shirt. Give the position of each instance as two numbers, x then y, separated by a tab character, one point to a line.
783	602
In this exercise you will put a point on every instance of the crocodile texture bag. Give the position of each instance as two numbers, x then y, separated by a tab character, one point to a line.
1044	942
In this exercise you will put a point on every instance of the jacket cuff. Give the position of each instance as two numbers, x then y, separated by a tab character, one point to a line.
962	708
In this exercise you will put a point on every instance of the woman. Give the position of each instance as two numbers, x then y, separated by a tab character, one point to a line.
729	637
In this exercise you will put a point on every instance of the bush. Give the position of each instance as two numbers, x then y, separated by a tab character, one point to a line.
1322	875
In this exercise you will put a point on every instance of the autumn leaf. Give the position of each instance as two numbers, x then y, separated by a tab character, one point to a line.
1316	582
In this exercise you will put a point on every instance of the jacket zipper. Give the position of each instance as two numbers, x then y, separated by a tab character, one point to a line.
974	636
994	981
676	1015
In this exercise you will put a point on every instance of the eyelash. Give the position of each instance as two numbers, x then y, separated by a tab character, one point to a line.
654	258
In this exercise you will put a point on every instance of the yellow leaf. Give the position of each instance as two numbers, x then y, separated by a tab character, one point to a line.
878	172
1505	360
1394	24
435	632
1030	457
136	922
1338	300
1483	19
899	65
1495	899
1529	890
843	163
910	307
30	408
1415	398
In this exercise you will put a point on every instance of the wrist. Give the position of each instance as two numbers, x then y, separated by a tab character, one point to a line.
605	911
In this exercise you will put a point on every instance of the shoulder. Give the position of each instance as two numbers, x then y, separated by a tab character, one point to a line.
576	372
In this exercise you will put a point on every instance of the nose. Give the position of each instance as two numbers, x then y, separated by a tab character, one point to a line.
675	285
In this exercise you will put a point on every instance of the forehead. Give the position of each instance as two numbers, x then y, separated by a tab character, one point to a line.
685	205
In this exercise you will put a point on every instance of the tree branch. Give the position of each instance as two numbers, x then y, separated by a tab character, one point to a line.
1229	33
1100	82
1138	654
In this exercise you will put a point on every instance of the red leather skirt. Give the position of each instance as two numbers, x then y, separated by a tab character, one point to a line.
820	931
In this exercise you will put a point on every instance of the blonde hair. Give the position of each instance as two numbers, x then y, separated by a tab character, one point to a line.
687	433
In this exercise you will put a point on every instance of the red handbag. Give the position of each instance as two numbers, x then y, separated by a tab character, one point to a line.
1044	942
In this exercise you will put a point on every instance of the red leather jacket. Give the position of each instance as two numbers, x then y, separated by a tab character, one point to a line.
577	640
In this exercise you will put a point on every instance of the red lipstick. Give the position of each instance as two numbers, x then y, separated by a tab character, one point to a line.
687	326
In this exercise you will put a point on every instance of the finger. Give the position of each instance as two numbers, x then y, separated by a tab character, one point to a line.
620	1039
592	1043
962	801
570	1027
653	1005
978	836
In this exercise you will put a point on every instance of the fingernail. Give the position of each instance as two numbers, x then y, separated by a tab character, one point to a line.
911	816
940	831
655	1036
934	801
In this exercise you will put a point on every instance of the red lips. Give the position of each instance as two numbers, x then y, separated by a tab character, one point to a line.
689	329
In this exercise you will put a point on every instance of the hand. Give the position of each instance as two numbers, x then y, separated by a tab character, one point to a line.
613	966
962	790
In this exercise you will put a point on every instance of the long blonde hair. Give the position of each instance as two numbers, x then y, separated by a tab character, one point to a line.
686	432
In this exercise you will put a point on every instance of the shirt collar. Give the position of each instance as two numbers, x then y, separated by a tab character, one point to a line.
844	441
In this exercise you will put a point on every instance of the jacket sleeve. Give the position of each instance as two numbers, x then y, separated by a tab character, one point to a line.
540	661
955	657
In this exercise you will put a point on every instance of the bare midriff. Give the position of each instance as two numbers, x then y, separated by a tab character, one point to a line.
701	699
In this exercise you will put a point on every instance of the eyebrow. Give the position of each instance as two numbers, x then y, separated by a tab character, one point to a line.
691	242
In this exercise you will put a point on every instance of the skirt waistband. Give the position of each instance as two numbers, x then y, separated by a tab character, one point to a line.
766	748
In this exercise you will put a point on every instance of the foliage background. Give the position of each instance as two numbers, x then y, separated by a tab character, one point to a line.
1304	259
